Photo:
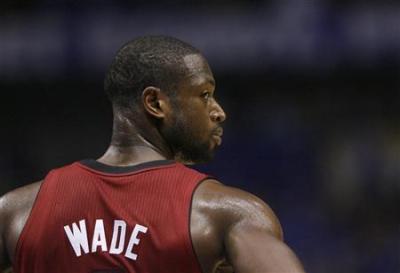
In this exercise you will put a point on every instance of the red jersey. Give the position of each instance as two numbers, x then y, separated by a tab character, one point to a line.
92	218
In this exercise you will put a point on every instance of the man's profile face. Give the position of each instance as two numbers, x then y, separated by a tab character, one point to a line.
194	128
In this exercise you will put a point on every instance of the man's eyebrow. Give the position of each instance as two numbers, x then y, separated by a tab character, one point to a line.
211	81
204	81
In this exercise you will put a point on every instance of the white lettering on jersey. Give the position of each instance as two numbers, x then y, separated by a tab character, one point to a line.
99	236
119	232
78	237
134	241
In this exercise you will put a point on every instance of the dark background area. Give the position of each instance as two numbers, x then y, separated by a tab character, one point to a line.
311	91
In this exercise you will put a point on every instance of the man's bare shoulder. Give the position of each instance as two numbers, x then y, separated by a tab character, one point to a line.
14	199
15	207
18	199
229	205
241	230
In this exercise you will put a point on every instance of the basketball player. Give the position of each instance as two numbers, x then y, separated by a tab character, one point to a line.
138	208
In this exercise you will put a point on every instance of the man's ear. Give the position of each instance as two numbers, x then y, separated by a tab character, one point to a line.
155	102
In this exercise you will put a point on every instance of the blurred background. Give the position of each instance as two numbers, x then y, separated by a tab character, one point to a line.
311	90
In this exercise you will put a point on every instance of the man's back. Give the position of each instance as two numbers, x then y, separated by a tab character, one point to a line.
225	226
90	217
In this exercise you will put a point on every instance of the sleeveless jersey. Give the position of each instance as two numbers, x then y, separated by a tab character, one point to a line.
93	218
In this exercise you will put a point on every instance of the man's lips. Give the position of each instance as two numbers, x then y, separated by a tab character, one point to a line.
217	135
218	131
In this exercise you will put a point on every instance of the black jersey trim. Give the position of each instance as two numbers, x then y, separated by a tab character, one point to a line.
190	219
101	167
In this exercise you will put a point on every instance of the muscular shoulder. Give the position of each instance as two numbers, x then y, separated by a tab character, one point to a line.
16	204
15	207
229	206
17	199
222	215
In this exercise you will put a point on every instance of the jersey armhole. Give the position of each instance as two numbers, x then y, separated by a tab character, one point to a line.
28	221
190	245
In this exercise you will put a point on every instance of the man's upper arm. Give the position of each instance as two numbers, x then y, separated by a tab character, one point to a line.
253	238
15	207
253	249
4	261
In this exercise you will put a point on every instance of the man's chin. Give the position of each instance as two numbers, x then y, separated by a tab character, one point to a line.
192	158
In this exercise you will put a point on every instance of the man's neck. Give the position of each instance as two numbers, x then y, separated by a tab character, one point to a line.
134	140
131	155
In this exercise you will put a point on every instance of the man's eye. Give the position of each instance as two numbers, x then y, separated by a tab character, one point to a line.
206	95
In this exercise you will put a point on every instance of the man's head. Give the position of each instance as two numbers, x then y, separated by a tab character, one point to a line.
167	87
146	61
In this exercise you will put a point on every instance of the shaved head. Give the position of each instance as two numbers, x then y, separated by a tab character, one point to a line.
146	61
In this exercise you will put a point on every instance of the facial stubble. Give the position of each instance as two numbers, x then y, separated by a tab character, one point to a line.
184	140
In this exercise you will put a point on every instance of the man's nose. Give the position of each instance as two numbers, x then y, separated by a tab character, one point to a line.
218	114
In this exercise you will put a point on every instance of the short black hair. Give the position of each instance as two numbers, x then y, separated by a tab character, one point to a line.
145	61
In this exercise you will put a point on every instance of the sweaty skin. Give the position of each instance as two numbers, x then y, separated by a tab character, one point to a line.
231	230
